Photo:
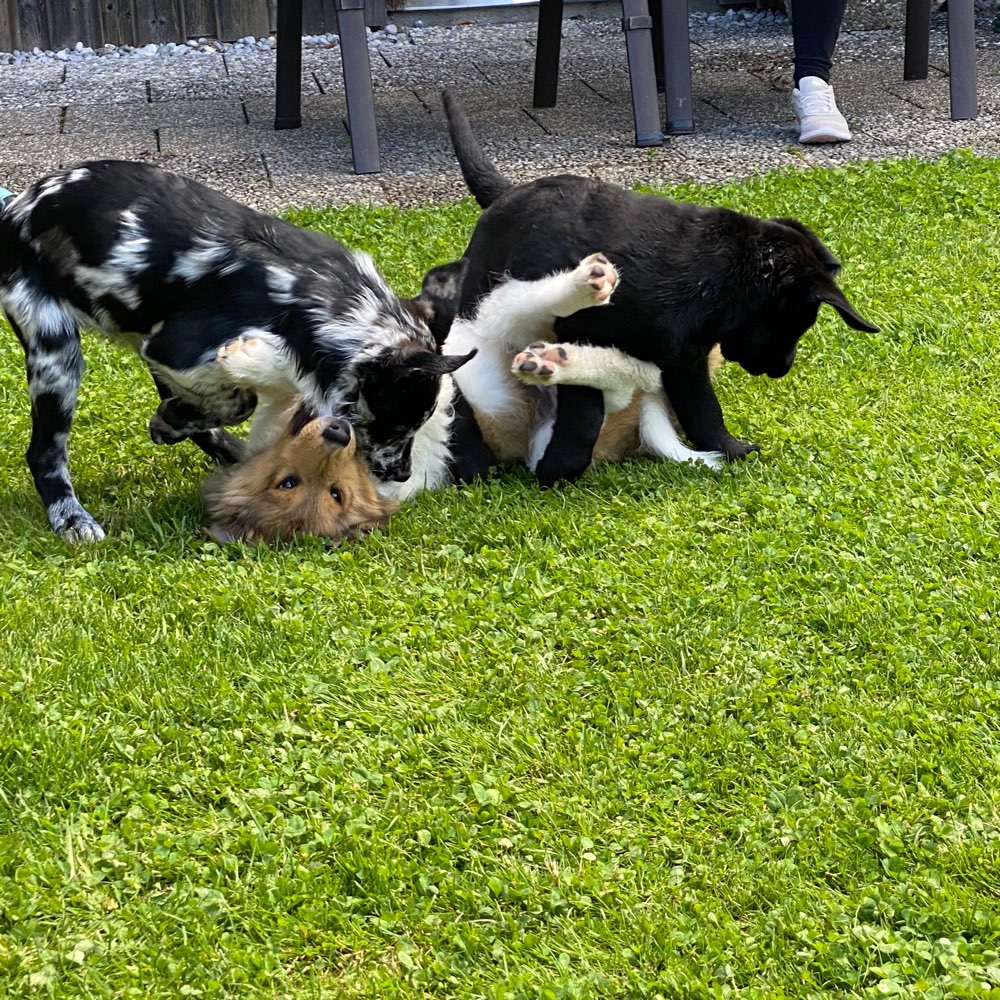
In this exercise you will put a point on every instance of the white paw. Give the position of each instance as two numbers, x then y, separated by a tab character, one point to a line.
234	348
540	363
596	278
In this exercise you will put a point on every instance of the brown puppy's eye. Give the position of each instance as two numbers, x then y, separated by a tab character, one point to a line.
335	493
288	483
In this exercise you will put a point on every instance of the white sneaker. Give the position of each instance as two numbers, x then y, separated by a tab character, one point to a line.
816	110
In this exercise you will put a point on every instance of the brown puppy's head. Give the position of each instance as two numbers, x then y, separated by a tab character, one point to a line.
310	482
795	274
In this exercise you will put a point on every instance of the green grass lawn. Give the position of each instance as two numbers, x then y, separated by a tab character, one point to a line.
663	733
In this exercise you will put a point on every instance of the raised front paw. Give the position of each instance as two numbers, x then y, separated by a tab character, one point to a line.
597	278
540	363
234	348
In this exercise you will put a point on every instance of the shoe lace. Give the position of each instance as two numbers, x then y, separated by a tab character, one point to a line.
819	102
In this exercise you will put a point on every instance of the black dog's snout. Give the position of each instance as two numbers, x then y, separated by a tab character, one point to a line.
338	431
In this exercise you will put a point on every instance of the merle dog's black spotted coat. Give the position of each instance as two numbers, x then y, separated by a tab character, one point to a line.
176	270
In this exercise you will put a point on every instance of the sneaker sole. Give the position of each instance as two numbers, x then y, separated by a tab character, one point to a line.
816	138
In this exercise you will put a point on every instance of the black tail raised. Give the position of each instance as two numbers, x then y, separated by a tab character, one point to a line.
481	176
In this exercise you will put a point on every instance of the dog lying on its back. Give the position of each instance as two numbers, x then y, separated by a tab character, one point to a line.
310	480
176	270
692	278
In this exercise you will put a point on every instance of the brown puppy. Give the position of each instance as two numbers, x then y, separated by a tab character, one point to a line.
310	481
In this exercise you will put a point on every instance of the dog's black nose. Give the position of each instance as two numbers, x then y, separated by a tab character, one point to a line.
338	432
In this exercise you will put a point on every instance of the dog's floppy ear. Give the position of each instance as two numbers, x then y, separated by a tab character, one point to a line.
302	416
438	300
822	251
832	295
438	364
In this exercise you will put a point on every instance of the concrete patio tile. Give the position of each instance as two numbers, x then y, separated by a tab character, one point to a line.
238	174
319	189
254	75
111	81
18	173
38	88
156	114
742	98
490	118
69	149
16	121
743	118
581	111
198	77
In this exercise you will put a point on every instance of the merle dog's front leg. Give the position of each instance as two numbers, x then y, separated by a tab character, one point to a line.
693	399
54	366
579	418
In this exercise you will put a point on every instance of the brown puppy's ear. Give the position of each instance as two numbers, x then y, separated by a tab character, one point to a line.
832	295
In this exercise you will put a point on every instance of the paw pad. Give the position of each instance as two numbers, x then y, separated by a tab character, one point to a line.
600	275
538	362
234	347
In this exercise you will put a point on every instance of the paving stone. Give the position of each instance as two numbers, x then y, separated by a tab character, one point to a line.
155	114
742	78
16	121
69	149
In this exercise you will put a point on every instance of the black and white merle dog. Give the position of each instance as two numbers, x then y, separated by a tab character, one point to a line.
176	270
693	277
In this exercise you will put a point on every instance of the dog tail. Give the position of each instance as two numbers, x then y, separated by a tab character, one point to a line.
481	177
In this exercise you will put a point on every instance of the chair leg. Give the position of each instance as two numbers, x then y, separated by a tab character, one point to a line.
656	12
358	86
918	37
547	46
638	28
962	58
288	74
676	66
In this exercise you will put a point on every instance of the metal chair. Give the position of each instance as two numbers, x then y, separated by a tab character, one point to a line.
357	77
636	23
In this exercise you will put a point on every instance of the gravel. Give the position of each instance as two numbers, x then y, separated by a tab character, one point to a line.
732	20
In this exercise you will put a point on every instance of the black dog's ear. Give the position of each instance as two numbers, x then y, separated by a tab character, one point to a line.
445	280
821	250
438	364
832	295
303	415
438	300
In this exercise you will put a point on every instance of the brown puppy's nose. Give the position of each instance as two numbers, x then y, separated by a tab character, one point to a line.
338	431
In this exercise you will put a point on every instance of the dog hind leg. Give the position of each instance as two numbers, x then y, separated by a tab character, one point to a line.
220	446
619	377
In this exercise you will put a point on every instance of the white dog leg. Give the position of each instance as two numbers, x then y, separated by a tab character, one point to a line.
619	376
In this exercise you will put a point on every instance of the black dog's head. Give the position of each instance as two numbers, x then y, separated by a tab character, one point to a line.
398	390
399	386
794	273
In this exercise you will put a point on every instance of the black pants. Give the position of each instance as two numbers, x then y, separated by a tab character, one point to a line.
815	27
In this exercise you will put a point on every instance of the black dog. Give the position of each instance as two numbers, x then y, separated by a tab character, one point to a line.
176	270
691	277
